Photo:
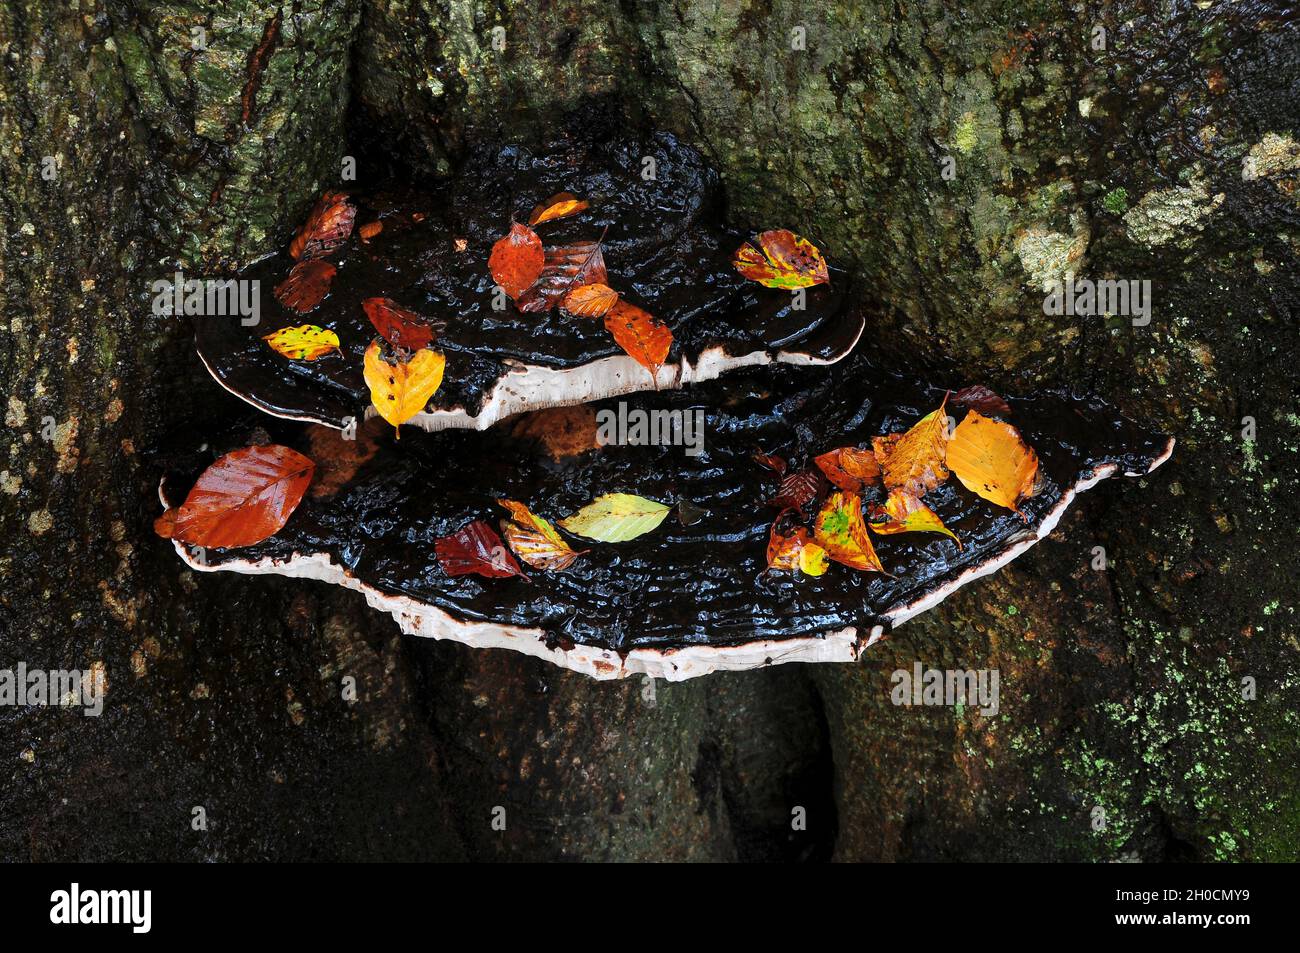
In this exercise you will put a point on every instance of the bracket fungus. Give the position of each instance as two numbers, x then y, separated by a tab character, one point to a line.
680	581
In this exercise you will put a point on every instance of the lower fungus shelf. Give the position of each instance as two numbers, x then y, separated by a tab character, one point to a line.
692	595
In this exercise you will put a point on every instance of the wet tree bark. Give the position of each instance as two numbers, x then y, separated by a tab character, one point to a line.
957	160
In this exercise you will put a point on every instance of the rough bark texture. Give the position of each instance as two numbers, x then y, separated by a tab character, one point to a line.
1169	155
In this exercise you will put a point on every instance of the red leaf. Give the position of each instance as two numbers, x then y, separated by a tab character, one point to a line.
516	260
306	285
567	267
798	490
244	497
397	325
640	335
772	461
327	227
476	548
979	398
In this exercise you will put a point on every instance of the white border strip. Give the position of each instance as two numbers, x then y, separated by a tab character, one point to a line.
674	665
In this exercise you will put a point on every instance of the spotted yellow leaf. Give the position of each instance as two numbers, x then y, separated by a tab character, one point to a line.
303	343
400	390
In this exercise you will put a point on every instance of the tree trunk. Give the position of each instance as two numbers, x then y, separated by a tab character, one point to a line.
958	160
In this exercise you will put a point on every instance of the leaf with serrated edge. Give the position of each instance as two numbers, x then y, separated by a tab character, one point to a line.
401	390
306	342
914	461
904	513
840	531
535	540
616	518
244	497
992	461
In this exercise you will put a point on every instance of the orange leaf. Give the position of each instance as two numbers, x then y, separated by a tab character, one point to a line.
640	335
535	540
992	461
370	230
781	260
516	260
245	497
565	268
590	301
795	551
327	227
904	513
398	326
849	468
839	530
306	285
914	461
559	205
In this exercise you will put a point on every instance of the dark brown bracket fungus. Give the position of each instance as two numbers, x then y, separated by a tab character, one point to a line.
693	595
662	242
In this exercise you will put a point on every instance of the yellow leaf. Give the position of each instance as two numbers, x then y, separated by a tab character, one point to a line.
992	461
400	390
812	559
904	513
840	531
616	518
559	205
303	343
535	540
914	461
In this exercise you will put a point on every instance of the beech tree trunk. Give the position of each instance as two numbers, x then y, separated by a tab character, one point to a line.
958	159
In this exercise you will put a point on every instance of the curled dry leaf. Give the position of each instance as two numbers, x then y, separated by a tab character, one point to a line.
535	540
327	227
849	468
243	498
840	531
914	461
795	550
590	301
399	326
904	513
370	230
306	286
616	518
978	397
781	259
640	335
798	490
306	342
476	549
563	269
992	461
400	389
771	461
559	205
516	260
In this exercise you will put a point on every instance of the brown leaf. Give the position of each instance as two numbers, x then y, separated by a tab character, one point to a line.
337	458
978	397
244	497
798	490
399	326
516	260
306	286
640	335
559	205
564	268
849	468
561	431
773	462
327	227
476	548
